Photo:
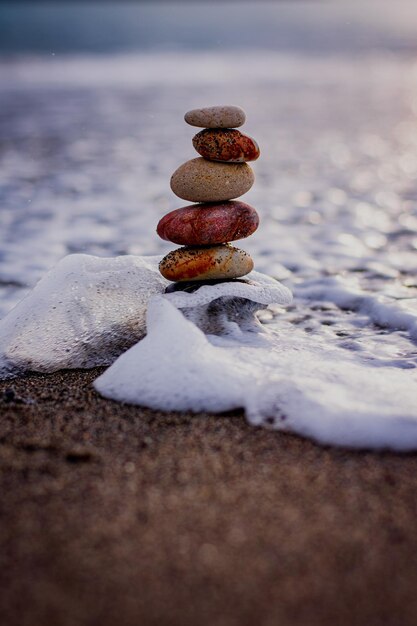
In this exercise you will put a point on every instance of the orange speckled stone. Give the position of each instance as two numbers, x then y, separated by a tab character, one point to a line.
208	224
209	263
227	145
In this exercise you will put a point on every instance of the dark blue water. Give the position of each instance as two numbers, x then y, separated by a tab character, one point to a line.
316	26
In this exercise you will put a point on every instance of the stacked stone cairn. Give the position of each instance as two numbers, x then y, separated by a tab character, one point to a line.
213	181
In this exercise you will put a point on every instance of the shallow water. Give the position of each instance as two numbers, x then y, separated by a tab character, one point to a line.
87	147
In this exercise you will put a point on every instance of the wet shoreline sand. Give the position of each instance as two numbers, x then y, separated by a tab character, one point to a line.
117	514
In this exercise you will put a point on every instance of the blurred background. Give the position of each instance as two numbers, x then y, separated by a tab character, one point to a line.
114	26
93	96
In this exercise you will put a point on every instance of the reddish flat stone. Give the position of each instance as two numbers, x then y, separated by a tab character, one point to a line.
227	145
209	224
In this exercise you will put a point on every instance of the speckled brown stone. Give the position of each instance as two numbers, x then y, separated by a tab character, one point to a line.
208	224
227	116
227	145
199	180
210	263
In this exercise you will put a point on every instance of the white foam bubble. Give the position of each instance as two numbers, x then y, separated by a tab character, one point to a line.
394	314
83	313
285	380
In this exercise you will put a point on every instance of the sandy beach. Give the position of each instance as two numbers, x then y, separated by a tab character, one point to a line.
116	514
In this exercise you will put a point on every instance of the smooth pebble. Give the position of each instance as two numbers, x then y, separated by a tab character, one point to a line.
200	180
211	263
227	145
226	116
208	224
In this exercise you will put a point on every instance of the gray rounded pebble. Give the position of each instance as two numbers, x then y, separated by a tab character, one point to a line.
226	116
199	180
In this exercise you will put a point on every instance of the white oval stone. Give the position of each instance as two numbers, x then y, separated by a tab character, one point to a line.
227	116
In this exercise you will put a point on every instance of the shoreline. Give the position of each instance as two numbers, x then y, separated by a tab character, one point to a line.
115	513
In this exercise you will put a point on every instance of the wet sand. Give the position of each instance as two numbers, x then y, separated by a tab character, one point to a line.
112	514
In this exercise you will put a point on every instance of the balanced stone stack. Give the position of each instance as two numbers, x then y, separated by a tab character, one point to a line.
214	181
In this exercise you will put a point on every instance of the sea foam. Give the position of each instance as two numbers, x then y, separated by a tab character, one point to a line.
206	350
83	313
88	310
285	380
